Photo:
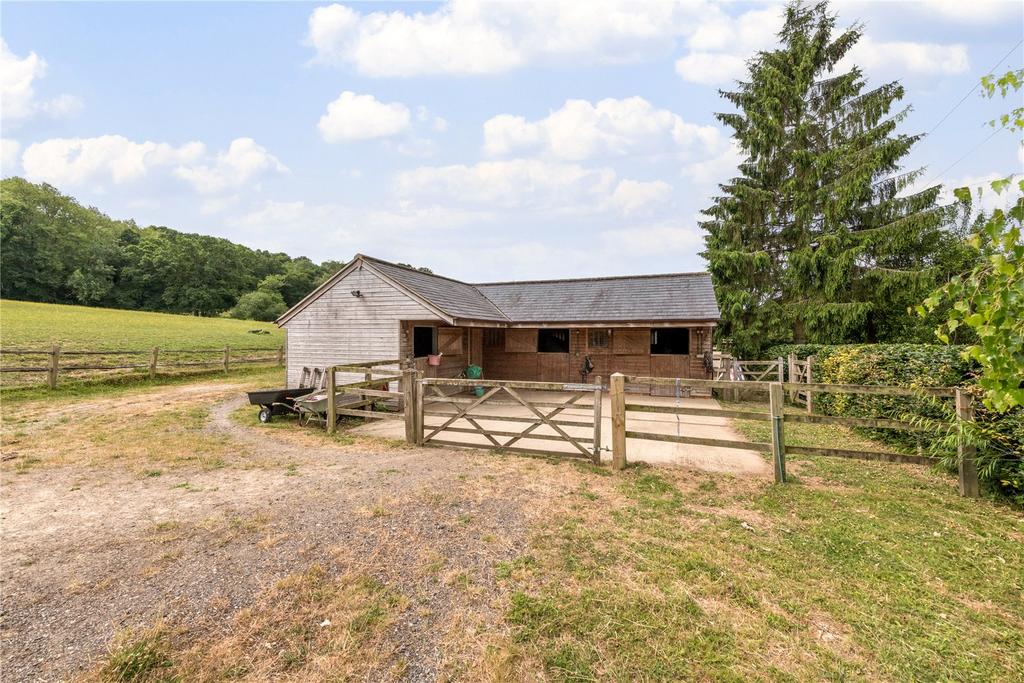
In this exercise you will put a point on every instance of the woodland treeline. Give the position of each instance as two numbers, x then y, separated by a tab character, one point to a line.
53	249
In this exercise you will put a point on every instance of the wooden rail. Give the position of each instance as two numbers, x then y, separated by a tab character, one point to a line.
150	359
778	418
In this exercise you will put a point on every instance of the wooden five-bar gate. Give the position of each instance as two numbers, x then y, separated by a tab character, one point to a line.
469	406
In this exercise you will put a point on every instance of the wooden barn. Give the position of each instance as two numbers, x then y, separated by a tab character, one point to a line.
658	325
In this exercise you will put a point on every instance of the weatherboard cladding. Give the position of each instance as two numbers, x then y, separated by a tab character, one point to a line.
678	296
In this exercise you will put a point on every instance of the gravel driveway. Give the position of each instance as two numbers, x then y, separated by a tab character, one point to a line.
91	551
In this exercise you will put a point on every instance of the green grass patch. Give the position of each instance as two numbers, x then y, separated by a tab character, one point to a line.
863	571
36	325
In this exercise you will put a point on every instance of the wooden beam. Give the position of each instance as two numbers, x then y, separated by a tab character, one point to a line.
618	401
777	405
700	441
708	412
332	415
597	421
885	456
969	485
511	449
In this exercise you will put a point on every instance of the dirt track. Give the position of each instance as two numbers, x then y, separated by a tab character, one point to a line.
91	551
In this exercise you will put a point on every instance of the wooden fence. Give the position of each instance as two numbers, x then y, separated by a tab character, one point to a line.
791	369
57	360
358	399
778	417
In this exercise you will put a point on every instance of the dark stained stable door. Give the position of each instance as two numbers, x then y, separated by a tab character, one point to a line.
553	355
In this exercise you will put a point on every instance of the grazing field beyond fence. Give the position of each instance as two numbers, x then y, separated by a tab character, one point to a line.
53	343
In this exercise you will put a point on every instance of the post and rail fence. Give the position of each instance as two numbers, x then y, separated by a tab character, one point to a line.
968	474
57	360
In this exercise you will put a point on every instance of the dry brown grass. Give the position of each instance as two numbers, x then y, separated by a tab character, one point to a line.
308	626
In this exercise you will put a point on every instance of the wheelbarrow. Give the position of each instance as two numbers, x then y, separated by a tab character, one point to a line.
277	401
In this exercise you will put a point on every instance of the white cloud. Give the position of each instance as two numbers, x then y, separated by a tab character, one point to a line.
362	117
476	37
716	169
720	45
17	88
8	156
75	161
580	130
984	198
903	57
974	12
660	238
517	183
237	166
116	159
632	195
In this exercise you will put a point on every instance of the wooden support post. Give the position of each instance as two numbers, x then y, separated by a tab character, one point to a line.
367	376
618	400
153	359
792	375
727	376
409	404
280	355
809	377
332	415
968	465
418	407
777	404
782	368
227	357
597	420
51	374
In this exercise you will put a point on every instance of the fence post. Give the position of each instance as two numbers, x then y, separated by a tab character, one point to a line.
227	357
782	368
332	414
367	377
280	355
597	420
727	362
419	405
51	375
409	404
968	466
776	402
618	400
809	376
153	359
792	375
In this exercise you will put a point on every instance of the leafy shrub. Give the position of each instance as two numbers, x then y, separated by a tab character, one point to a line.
259	305
1001	436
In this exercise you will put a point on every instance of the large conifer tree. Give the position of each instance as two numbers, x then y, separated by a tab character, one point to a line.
817	240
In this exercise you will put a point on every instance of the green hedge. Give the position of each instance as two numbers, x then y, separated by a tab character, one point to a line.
915	365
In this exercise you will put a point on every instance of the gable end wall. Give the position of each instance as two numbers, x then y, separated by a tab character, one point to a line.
339	328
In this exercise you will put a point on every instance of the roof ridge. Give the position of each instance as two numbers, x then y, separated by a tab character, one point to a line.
412	269
587	279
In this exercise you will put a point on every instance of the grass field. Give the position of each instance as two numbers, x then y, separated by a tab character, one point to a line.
27	325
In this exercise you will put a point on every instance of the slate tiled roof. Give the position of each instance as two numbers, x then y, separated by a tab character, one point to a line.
679	296
458	299
676	296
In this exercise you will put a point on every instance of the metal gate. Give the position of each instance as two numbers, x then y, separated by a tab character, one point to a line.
487	414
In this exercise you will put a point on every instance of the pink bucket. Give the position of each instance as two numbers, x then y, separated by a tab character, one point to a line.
434	360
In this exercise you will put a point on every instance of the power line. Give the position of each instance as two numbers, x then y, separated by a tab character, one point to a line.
976	86
969	153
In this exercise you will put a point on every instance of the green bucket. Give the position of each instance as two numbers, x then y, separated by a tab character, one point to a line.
475	372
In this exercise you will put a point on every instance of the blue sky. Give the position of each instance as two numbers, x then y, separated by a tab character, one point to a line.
487	141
